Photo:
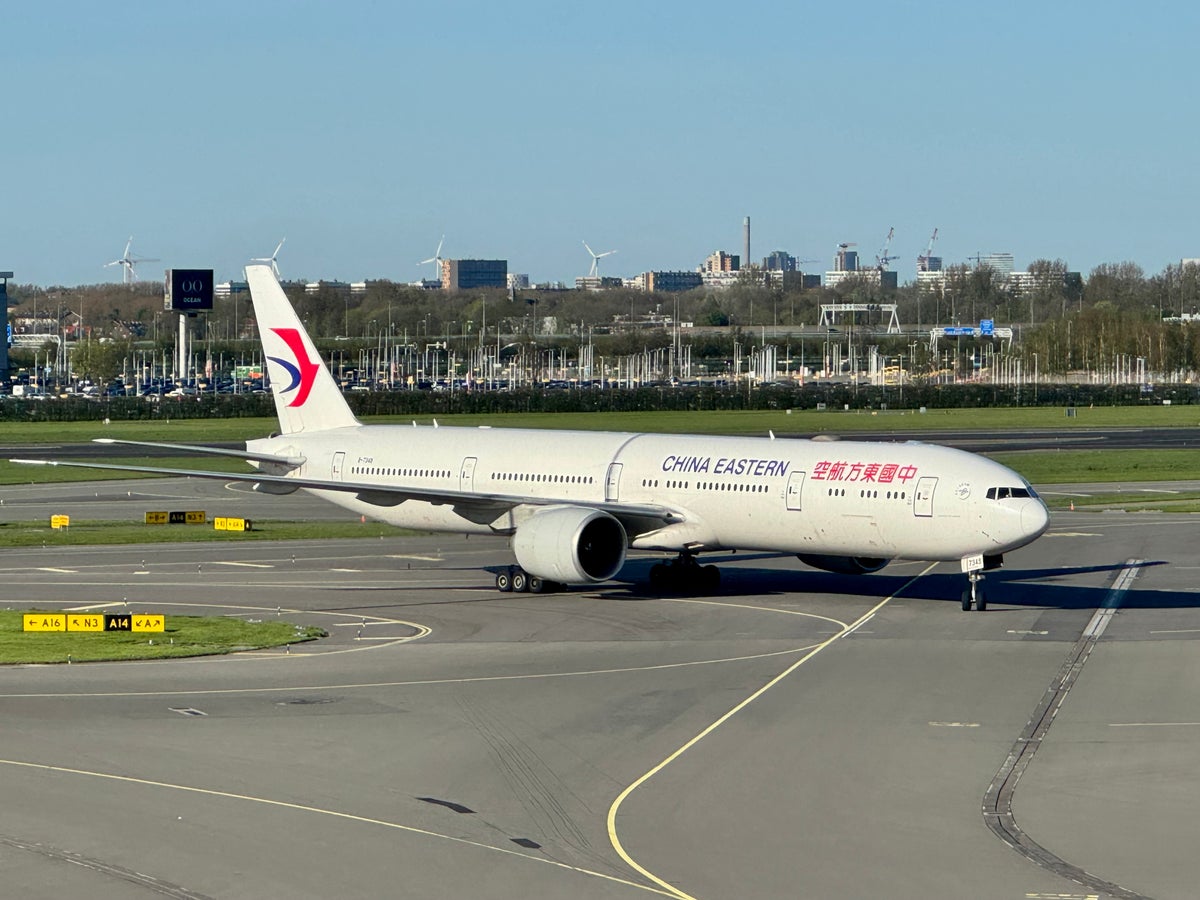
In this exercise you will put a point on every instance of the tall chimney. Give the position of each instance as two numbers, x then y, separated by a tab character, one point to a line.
746	245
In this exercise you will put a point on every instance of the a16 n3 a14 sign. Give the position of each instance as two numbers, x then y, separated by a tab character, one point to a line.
189	290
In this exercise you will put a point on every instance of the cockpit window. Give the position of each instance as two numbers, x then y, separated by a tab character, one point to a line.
1004	493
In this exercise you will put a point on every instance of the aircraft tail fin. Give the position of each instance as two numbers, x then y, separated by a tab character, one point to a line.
307	398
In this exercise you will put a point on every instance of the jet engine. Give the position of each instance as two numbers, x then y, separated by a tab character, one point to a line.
843	565
570	545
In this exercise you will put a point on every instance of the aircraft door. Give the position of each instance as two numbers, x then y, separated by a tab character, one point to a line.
923	499
612	484
466	478
795	488
339	460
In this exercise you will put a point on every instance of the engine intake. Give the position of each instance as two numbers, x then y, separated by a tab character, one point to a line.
843	565
570	545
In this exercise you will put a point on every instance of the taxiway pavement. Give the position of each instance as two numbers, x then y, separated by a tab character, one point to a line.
801	734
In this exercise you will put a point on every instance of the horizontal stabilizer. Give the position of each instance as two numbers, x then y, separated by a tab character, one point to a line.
292	462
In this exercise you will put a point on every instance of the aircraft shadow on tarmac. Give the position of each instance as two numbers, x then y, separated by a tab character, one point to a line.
1028	588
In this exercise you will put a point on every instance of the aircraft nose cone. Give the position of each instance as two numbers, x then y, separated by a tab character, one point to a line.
1035	518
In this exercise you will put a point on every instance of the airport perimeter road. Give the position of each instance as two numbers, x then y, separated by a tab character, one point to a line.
446	740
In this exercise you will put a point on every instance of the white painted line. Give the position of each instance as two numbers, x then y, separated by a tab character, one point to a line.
1025	631
58	571
954	724
392	638
248	565
1098	624
1071	534
345	570
92	606
1178	631
1157	491
418	558
1153	724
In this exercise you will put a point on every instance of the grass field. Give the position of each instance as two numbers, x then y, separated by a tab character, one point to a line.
184	636
748	422
90	533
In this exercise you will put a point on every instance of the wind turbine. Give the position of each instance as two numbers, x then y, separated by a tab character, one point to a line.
128	263
271	259
594	272
436	259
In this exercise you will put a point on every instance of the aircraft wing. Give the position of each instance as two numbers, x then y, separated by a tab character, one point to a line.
470	504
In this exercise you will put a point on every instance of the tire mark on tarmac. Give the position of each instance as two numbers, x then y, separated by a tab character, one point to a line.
165	888
332	813
998	800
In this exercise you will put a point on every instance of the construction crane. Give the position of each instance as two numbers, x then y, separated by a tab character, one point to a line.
882	258
923	259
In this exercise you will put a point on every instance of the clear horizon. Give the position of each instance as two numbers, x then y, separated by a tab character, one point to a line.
363	132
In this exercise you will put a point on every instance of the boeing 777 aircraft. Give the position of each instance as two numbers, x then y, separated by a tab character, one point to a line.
575	502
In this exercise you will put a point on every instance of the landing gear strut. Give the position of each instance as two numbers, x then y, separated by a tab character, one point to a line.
516	579
974	595
684	575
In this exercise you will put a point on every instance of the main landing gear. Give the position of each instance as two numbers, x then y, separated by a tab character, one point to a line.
517	580
974	595
684	575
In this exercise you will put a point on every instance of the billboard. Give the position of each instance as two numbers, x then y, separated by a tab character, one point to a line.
188	290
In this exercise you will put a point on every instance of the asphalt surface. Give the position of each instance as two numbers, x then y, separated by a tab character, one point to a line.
447	740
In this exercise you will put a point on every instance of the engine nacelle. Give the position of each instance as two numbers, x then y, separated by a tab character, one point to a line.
570	545
843	565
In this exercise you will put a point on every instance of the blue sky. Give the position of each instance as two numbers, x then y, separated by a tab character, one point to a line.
364	131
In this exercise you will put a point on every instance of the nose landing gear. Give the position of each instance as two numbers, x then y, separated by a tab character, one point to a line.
974	594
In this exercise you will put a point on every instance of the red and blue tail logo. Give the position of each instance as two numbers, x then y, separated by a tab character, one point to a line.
303	371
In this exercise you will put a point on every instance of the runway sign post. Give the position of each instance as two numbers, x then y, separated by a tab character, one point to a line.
44	622
177	517
85	622
60	521
98	622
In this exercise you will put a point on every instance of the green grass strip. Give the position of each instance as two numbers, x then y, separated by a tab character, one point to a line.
184	636
92	532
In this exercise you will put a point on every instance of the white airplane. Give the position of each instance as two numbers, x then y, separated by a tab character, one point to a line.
574	502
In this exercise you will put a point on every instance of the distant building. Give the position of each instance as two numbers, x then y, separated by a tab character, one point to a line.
517	281
1001	263
720	261
846	259
598	282
466	274
885	279
720	279
779	261
671	281
314	287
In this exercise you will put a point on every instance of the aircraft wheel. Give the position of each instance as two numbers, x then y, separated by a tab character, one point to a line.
711	579
980	601
966	600
520	581
504	581
537	586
